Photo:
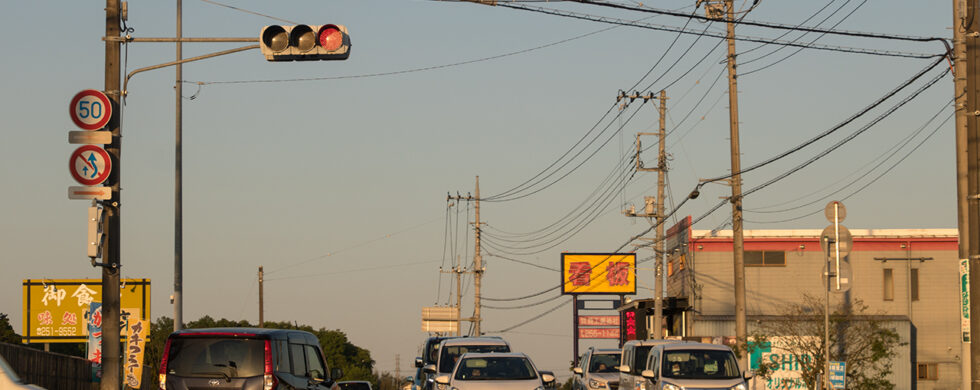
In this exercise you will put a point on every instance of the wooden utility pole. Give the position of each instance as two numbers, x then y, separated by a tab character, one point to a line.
111	358
477	259
654	208
261	299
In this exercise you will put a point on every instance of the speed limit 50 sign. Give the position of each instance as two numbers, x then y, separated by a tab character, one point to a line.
90	109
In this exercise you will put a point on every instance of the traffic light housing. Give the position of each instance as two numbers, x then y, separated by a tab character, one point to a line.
305	42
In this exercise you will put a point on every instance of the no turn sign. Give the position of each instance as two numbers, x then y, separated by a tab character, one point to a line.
90	109
90	165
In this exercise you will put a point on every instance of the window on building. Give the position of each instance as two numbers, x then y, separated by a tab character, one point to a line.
914	284
927	371
765	259
888	285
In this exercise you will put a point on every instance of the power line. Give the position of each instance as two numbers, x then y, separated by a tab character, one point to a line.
744	38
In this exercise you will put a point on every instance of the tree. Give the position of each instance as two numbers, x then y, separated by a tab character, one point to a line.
7	334
857	338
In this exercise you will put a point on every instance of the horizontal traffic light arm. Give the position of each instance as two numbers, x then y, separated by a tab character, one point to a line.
172	40
192	59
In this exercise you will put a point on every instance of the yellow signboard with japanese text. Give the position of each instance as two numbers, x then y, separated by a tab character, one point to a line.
598	273
57	310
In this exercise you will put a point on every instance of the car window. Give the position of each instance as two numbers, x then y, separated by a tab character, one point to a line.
314	363
299	359
699	364
605	362
282	356
495	368
639	359
450	354
216	357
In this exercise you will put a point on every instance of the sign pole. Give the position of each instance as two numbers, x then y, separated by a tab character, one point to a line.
574	329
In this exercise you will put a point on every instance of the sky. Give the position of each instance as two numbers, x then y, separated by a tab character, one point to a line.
333	176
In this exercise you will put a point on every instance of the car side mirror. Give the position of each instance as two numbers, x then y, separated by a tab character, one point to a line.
748	374
547	378
649	374
431	368
577	370
336	373
418	362
624	369
442	379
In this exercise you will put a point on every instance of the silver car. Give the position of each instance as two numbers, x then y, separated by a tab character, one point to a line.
694	366
499	371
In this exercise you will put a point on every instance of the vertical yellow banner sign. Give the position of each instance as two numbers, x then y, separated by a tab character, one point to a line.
135	346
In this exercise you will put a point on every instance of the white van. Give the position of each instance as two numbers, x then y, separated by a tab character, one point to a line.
450	350
693	366
634	360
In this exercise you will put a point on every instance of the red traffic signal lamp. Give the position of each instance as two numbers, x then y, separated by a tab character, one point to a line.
304	42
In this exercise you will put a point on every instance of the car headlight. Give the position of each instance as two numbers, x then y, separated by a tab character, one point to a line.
441	386
596	384
740	386
668	386
539	388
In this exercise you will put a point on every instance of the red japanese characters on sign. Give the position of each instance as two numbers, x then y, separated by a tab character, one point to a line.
598	333
598	320
630	325
580	273
618	273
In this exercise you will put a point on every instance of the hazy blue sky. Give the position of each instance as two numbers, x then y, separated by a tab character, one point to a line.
337	184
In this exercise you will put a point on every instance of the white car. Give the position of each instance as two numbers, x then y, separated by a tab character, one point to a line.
10	380
499	371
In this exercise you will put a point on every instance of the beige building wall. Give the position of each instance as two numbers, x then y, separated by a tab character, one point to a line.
707	278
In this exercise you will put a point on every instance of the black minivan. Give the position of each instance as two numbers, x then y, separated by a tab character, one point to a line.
244	359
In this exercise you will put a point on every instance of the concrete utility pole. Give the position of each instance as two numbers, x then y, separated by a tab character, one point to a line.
967	95
477	258
261	298
654	209
178	184
738	240
458	272
111	358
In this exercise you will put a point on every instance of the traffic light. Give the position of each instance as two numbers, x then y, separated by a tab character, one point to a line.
304	42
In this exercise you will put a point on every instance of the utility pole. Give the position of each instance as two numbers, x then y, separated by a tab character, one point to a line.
477	258
654	208
458	271
967	95
738	240
261	299
398	369
111	358
477	265
178	183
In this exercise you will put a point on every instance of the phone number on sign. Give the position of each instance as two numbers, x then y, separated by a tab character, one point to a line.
59	331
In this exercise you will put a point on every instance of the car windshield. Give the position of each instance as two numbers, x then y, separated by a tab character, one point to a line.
450	354
216	357
699	364
495	368
605	362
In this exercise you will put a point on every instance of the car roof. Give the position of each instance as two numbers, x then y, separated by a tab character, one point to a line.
643	343
475	341
695	346
494	354
606	351
234	331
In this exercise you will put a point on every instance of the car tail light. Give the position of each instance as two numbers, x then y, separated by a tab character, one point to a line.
163	365
269	377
